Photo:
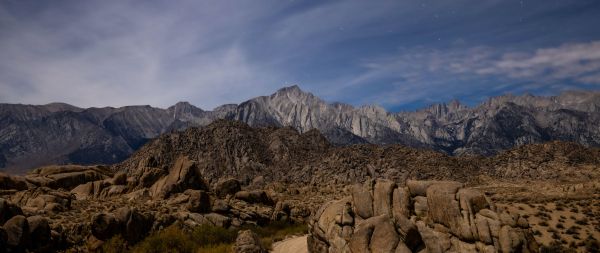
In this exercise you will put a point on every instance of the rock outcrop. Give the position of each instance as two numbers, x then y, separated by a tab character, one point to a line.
381	216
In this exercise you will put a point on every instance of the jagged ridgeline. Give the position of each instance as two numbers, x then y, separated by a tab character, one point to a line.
32	136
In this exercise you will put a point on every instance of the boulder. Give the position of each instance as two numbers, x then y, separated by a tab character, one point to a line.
228	186
417	187
104	226
40	234
382	197
182	176
134	224
254	197
362	198
248	242
218	220
198	201
445	209
384	238
421	206
401	202
17	231
3	238
8	182
8	210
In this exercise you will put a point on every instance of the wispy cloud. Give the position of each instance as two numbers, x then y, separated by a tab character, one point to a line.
97	53
424	73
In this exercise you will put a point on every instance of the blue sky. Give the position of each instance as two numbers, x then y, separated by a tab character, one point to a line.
399	54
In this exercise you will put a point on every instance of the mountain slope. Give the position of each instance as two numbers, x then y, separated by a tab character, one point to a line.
32	135
227	149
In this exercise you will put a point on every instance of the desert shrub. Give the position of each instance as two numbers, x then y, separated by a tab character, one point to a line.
213	235
560	226
555	247
572	230
543	223
582	221
114	245
592	245
171	240
218	248
278	231
555	236
537	232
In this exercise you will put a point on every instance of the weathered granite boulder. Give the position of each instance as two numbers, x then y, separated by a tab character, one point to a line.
17	231
8	182
229	186
8	210
248	242
425	216
182	176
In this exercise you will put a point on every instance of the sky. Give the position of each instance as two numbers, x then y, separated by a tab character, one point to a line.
401	55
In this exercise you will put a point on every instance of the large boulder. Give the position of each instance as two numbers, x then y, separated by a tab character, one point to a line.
104	226
134	224
228	186
8	182
446	218
198	201
182	176
254	197
40	232
3	238
248	242
8	210
362	197
17	231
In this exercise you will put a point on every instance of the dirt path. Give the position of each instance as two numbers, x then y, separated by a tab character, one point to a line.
291	245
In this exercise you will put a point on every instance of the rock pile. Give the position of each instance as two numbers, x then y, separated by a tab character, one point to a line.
24	234
435	216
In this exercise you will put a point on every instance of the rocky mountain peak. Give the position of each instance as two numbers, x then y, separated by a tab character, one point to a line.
184	110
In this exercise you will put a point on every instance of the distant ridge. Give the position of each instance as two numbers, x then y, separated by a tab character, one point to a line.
57	133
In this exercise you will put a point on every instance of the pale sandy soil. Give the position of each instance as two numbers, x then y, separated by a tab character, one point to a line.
291	245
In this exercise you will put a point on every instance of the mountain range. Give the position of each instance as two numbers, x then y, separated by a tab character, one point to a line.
58	133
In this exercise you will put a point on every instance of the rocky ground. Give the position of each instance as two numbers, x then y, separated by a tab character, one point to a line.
231	175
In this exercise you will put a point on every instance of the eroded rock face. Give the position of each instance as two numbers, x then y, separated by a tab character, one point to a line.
436	216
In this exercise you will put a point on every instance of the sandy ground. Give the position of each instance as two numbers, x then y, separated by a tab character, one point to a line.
291	245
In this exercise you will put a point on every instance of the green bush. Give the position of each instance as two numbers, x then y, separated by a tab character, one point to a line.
114	245
212	235
169	240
